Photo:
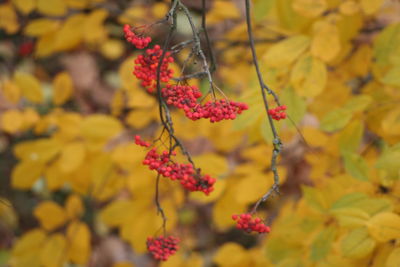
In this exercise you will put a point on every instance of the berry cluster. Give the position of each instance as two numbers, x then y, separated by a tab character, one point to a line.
246	223
146	67
181	96
162	247
138	41
185	97
189	178
278	113
140	142
216	111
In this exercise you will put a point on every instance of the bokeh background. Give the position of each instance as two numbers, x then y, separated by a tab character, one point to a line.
73	191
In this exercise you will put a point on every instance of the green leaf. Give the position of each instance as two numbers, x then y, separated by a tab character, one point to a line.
322	244
351	217
350	136
357	244
349	200
296	105
261	9
392	77
315	198
358	103
266	131
386	43
336	120
249	117
389	162
356	166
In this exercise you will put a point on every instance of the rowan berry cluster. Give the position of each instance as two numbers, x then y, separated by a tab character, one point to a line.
278	113
246	223
140	142
147	64
162	247
189	178
185	97
139	42
216	111
181	96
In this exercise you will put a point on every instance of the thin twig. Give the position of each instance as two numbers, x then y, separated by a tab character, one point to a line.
264	88
213	63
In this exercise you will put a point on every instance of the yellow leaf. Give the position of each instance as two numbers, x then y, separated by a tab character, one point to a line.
384	226
78	236
252	187
70	33
123	264
98	128
30	241
39	27
349	8
25	174
129	81
31	117
218	167
222	10
107	183
8	19
116	213
117	103
74	207
52	8
286	52
11	91
394	258
80	179
231	254
194	259
357	244
25	6
53	251
310	8
41	150
50	215
326	41
12	121
93	29
127	155
371	6
46	45
159	10
63	87
360	63
30	86
54	177
72	156
77	4
112	49
139	118
309	76
140	99
223	209
219	188
314	137
68	126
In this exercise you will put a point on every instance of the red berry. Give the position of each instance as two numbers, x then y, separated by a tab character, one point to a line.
249	225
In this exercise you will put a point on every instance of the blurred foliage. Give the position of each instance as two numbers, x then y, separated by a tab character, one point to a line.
74	191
